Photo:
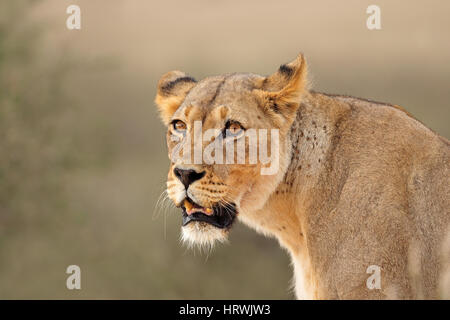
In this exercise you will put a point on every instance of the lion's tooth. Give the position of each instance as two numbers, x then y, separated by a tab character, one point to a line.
208	210
187	205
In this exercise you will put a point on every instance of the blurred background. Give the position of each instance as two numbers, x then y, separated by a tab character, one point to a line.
83	158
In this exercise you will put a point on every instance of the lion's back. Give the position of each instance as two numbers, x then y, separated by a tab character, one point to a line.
396	152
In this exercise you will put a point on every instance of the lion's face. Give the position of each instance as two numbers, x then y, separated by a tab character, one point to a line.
214	128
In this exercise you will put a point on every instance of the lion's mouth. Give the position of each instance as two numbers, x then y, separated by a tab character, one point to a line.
219	216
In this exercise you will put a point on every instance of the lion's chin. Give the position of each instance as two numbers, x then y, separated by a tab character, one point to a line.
203	235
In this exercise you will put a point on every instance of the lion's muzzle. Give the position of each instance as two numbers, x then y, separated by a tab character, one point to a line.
219	216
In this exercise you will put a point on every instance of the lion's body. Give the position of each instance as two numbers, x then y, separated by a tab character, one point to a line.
367	185
360	184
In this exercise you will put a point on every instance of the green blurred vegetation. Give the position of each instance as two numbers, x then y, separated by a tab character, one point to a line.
35	148
39	143
71	192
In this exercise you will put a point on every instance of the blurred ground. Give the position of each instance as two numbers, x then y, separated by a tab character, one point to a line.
83	152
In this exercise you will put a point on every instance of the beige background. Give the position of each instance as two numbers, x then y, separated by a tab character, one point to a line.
83	152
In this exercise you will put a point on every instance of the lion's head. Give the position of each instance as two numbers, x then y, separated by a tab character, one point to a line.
212	176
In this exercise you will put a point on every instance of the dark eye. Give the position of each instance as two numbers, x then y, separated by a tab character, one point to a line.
179	126
233	129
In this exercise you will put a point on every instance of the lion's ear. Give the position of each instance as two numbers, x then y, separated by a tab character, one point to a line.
172	89
281	92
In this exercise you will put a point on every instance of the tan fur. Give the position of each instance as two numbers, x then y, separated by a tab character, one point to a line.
360	183
170	97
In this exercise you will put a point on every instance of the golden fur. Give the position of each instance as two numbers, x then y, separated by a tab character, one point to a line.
359	183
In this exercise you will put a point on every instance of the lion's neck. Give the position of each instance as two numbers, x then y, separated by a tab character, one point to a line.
286	213
310	139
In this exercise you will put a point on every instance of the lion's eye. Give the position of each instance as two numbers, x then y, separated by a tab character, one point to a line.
233	128
179	126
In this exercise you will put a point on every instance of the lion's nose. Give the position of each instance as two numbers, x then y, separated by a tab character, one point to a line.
187	176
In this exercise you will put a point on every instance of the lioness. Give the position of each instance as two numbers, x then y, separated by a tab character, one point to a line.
360	197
